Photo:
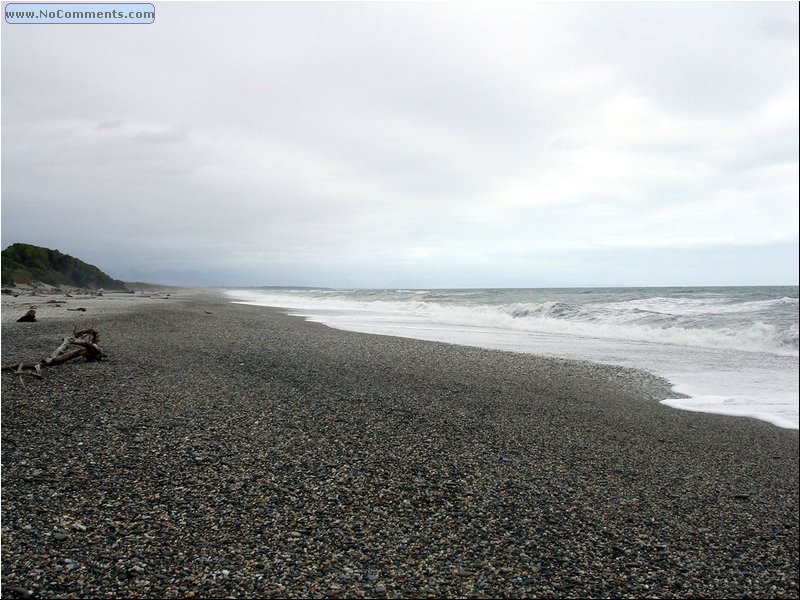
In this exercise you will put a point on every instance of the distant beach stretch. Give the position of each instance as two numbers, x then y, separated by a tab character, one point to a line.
229	450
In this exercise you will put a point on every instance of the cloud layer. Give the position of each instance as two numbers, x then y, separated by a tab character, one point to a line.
395	144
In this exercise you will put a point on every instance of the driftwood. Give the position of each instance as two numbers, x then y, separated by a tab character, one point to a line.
28	317
88	348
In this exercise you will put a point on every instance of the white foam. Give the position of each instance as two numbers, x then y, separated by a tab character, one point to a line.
777	414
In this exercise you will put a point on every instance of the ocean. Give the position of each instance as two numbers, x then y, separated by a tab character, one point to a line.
731	350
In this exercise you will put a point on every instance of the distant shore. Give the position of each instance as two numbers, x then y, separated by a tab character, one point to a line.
72	304
231	450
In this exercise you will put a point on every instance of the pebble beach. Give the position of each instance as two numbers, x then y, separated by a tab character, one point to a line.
225	450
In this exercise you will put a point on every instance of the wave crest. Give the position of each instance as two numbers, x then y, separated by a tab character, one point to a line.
708	323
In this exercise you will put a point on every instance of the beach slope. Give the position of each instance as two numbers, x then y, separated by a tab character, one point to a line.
230	450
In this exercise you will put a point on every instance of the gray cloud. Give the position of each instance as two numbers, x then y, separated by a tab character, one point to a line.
375	144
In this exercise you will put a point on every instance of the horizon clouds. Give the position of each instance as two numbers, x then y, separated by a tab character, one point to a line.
411	145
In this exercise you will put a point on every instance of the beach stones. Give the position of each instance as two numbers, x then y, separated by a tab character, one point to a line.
338	464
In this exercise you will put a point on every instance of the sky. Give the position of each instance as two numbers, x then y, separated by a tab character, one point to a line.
411	144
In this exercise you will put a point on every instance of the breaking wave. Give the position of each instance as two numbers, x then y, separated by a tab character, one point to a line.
707	322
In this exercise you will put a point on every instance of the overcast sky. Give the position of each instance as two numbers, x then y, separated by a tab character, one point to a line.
411	144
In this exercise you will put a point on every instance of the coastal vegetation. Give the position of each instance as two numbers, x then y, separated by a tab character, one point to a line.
29	264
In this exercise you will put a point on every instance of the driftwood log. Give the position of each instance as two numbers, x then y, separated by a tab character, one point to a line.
28	317
87	341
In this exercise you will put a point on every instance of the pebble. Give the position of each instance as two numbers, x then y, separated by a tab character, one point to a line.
287	459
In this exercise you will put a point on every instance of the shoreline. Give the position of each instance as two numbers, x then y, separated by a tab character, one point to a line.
227	449
688	389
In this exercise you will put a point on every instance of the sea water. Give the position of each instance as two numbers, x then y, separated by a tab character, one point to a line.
731	350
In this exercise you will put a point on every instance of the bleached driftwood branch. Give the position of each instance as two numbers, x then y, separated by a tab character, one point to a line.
88	348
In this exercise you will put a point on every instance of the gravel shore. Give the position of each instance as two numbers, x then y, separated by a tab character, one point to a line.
231	451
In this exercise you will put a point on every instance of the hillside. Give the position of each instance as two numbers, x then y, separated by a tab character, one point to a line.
25	263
